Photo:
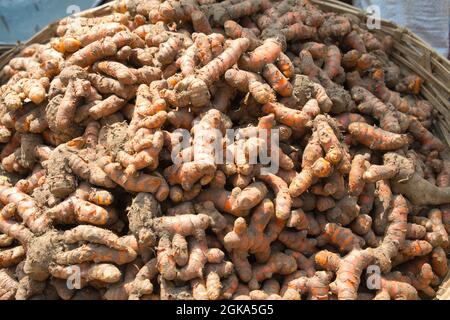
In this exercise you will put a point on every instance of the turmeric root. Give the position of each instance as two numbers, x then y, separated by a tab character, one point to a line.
277	80
267	53
335	26
76	209
141	183
439	262
250	82
206	134
11	257
8	285
328	140
283	198
95	51
253	239
427	140
33	89
146	158
305	89
348	271
278	263
332	63
127	75
136	282
412	249
234	30
197	87
107	107
411	84
377	139
26	209
313	165
89	171
430	195
238	202
316	286
438	236
295	119
111	86
341	237
388	117
107	273
95	253
298	241
355	178
395	234
395	290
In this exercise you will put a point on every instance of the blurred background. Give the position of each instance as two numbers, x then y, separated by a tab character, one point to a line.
430	20
20	19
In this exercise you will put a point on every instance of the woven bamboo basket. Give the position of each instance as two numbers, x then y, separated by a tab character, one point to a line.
5	47
410	53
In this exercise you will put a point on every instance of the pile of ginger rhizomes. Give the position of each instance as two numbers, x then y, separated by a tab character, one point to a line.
103	197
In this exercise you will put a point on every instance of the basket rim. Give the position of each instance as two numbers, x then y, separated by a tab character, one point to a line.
332	4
